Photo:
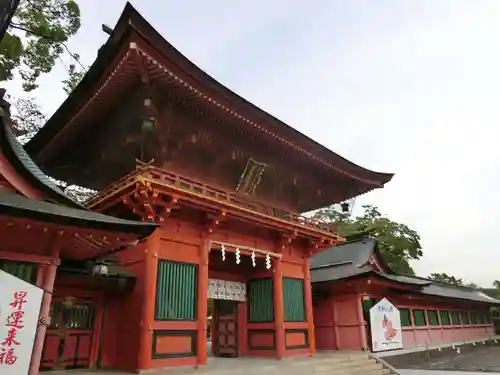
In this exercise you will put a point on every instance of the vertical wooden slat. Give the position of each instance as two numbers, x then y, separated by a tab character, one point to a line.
176	291
294	300
24	271
260	300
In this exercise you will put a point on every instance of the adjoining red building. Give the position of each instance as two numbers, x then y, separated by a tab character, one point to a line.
53	242
349	279
163	141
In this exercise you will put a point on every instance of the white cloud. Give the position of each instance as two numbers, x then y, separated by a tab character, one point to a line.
397	86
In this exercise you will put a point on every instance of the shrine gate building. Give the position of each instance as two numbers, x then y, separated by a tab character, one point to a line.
161	141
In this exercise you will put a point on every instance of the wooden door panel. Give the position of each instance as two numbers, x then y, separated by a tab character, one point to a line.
226	328
68	340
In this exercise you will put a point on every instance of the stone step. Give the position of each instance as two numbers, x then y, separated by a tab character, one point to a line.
323	364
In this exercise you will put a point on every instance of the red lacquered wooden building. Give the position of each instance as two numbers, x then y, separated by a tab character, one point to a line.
349	279
162	141
51	241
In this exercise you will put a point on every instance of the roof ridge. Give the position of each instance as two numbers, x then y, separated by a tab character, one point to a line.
444	283
333	265
16	155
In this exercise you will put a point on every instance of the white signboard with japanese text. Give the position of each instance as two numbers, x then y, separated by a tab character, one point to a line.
20	304
228	290
385	325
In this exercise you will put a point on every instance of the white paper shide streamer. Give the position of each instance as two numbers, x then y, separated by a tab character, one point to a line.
223	252
238	256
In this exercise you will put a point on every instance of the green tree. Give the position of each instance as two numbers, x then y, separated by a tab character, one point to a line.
493	292
398	243
496	285
445	278
74	78
36	39
27	118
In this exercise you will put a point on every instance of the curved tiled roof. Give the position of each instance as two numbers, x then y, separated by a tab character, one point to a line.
459	292
26	167
357	253
348	261
16	205
348	270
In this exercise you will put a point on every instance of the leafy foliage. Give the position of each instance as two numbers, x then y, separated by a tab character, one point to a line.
77	193
496	284
74	78
493	292
398	243
36	39
27	118
442	277
445	278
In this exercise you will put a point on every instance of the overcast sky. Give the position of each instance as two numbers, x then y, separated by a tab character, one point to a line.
410	87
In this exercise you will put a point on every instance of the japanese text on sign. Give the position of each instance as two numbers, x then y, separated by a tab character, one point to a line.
14	324
20	304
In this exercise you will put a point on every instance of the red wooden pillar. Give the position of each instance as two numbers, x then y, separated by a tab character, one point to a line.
279	315
309	308
149	300
97	328
201	344
45	282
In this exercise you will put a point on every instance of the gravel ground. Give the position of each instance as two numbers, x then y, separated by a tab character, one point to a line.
480	359
485	359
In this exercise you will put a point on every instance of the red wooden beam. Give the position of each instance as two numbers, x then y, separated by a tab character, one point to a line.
30	258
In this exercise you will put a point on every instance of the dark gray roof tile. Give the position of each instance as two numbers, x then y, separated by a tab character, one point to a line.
26	167
16	205
406	279
333	273
336	272
356	252
452	291
346	261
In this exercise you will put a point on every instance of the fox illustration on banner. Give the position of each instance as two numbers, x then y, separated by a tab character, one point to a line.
385	323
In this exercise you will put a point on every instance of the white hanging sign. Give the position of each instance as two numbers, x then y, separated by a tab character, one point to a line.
385	325
20	304
228	290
